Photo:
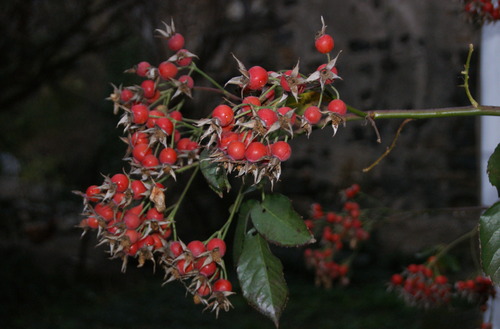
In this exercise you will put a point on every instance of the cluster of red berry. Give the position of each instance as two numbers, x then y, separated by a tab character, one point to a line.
482	11
338	232
252	134
419	285
129	210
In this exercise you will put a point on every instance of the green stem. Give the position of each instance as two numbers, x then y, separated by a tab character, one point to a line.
465	73
212	81
236	206
454	243
446	112
178	203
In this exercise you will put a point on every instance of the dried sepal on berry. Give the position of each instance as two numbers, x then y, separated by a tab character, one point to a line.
325	74
294	81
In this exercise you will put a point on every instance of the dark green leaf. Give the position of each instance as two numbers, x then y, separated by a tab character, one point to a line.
489	235
214	173
241	228
279	223
261	278
493	169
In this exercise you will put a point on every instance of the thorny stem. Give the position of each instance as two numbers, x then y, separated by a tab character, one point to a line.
178	203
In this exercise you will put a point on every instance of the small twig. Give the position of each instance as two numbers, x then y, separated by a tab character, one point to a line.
374	125
389	149
465	73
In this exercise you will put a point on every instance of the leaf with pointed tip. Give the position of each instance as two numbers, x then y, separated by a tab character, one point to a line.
279	223
214	173
260	274
489	237
493	169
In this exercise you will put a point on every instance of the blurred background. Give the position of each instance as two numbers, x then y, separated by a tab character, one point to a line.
58	134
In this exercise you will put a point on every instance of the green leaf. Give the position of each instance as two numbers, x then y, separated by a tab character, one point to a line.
493	168
214	173
260	274
279	223
489	236
241	228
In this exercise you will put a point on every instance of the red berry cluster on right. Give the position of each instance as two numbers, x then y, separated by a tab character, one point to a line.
419	285
338	233
482	11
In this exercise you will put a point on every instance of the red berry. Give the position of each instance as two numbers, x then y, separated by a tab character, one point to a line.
104	211
441	279
176	42
139	138
183	58
176	248
397	279
126	95
121	181
166	125
333	70
187	80
312	114
337	106
92	222
168	156
226	138
284	80
91	192
140	113
222	285
196	247
176	115
154	214
138	189
133	235
150	161
218	244
255	151
258	78
167	70
184	267
324	44
284	110
153	116
268	116
142	69
206	269
281	150
149	88
236	150
131	220
140	151
224	114
250	100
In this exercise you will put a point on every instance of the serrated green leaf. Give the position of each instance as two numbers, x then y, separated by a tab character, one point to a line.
279	223
214	173
241	228
489	235
260	274
493	168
